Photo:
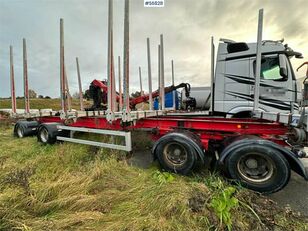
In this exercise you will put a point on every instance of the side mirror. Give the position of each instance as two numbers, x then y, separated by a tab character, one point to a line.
283	66
283	72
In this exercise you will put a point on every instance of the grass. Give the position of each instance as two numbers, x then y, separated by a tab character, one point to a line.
54	104
74	187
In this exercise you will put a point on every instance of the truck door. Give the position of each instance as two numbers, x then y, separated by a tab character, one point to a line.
236	84
276	88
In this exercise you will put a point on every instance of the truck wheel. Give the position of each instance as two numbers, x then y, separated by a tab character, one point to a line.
46	135
19	131
257	167
175	154
25	128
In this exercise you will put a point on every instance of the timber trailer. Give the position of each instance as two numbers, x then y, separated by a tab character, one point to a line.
259	152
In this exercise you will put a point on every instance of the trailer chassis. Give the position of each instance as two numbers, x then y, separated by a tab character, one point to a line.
263	150
258	153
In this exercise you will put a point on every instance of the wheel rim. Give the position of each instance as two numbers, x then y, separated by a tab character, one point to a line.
20	133
44	135
255	167
175	154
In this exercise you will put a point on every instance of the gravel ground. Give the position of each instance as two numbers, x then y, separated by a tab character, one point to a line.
295	194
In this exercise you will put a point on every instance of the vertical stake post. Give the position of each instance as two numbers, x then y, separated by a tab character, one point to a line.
79	85
120	85
149	75
13	96
212	75
174	91
62	70
140	80
67	92
25	72
114	94
109	56
159	80
258	62
162	70
113	82
126	59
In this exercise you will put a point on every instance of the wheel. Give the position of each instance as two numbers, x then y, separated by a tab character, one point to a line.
45	135
19	131
257	167
175	154
243	114
25	128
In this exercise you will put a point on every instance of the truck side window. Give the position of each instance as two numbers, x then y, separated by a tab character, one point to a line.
270	69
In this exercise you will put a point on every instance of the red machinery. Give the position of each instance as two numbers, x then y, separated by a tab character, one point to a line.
98	92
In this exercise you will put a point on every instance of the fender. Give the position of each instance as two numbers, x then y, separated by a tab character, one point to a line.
295	164
191	138
30	127
240	109
53	130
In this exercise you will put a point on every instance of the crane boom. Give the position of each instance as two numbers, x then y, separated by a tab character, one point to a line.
98	92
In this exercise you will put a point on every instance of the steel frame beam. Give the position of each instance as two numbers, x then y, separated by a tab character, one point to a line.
127	136
208	128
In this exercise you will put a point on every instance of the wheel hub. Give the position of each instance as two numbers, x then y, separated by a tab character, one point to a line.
44	135
252	163
255	167
175	153
19	132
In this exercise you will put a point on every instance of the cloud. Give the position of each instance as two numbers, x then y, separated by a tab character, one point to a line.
187	26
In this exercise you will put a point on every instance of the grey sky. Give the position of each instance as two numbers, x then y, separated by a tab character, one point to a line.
187	26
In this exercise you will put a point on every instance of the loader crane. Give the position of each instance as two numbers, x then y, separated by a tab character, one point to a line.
99	91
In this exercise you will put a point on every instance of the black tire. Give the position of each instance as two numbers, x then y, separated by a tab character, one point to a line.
242	115
46	134
19	130
258	167
25	128
175	154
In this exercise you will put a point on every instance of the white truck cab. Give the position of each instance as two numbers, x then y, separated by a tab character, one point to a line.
233	85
